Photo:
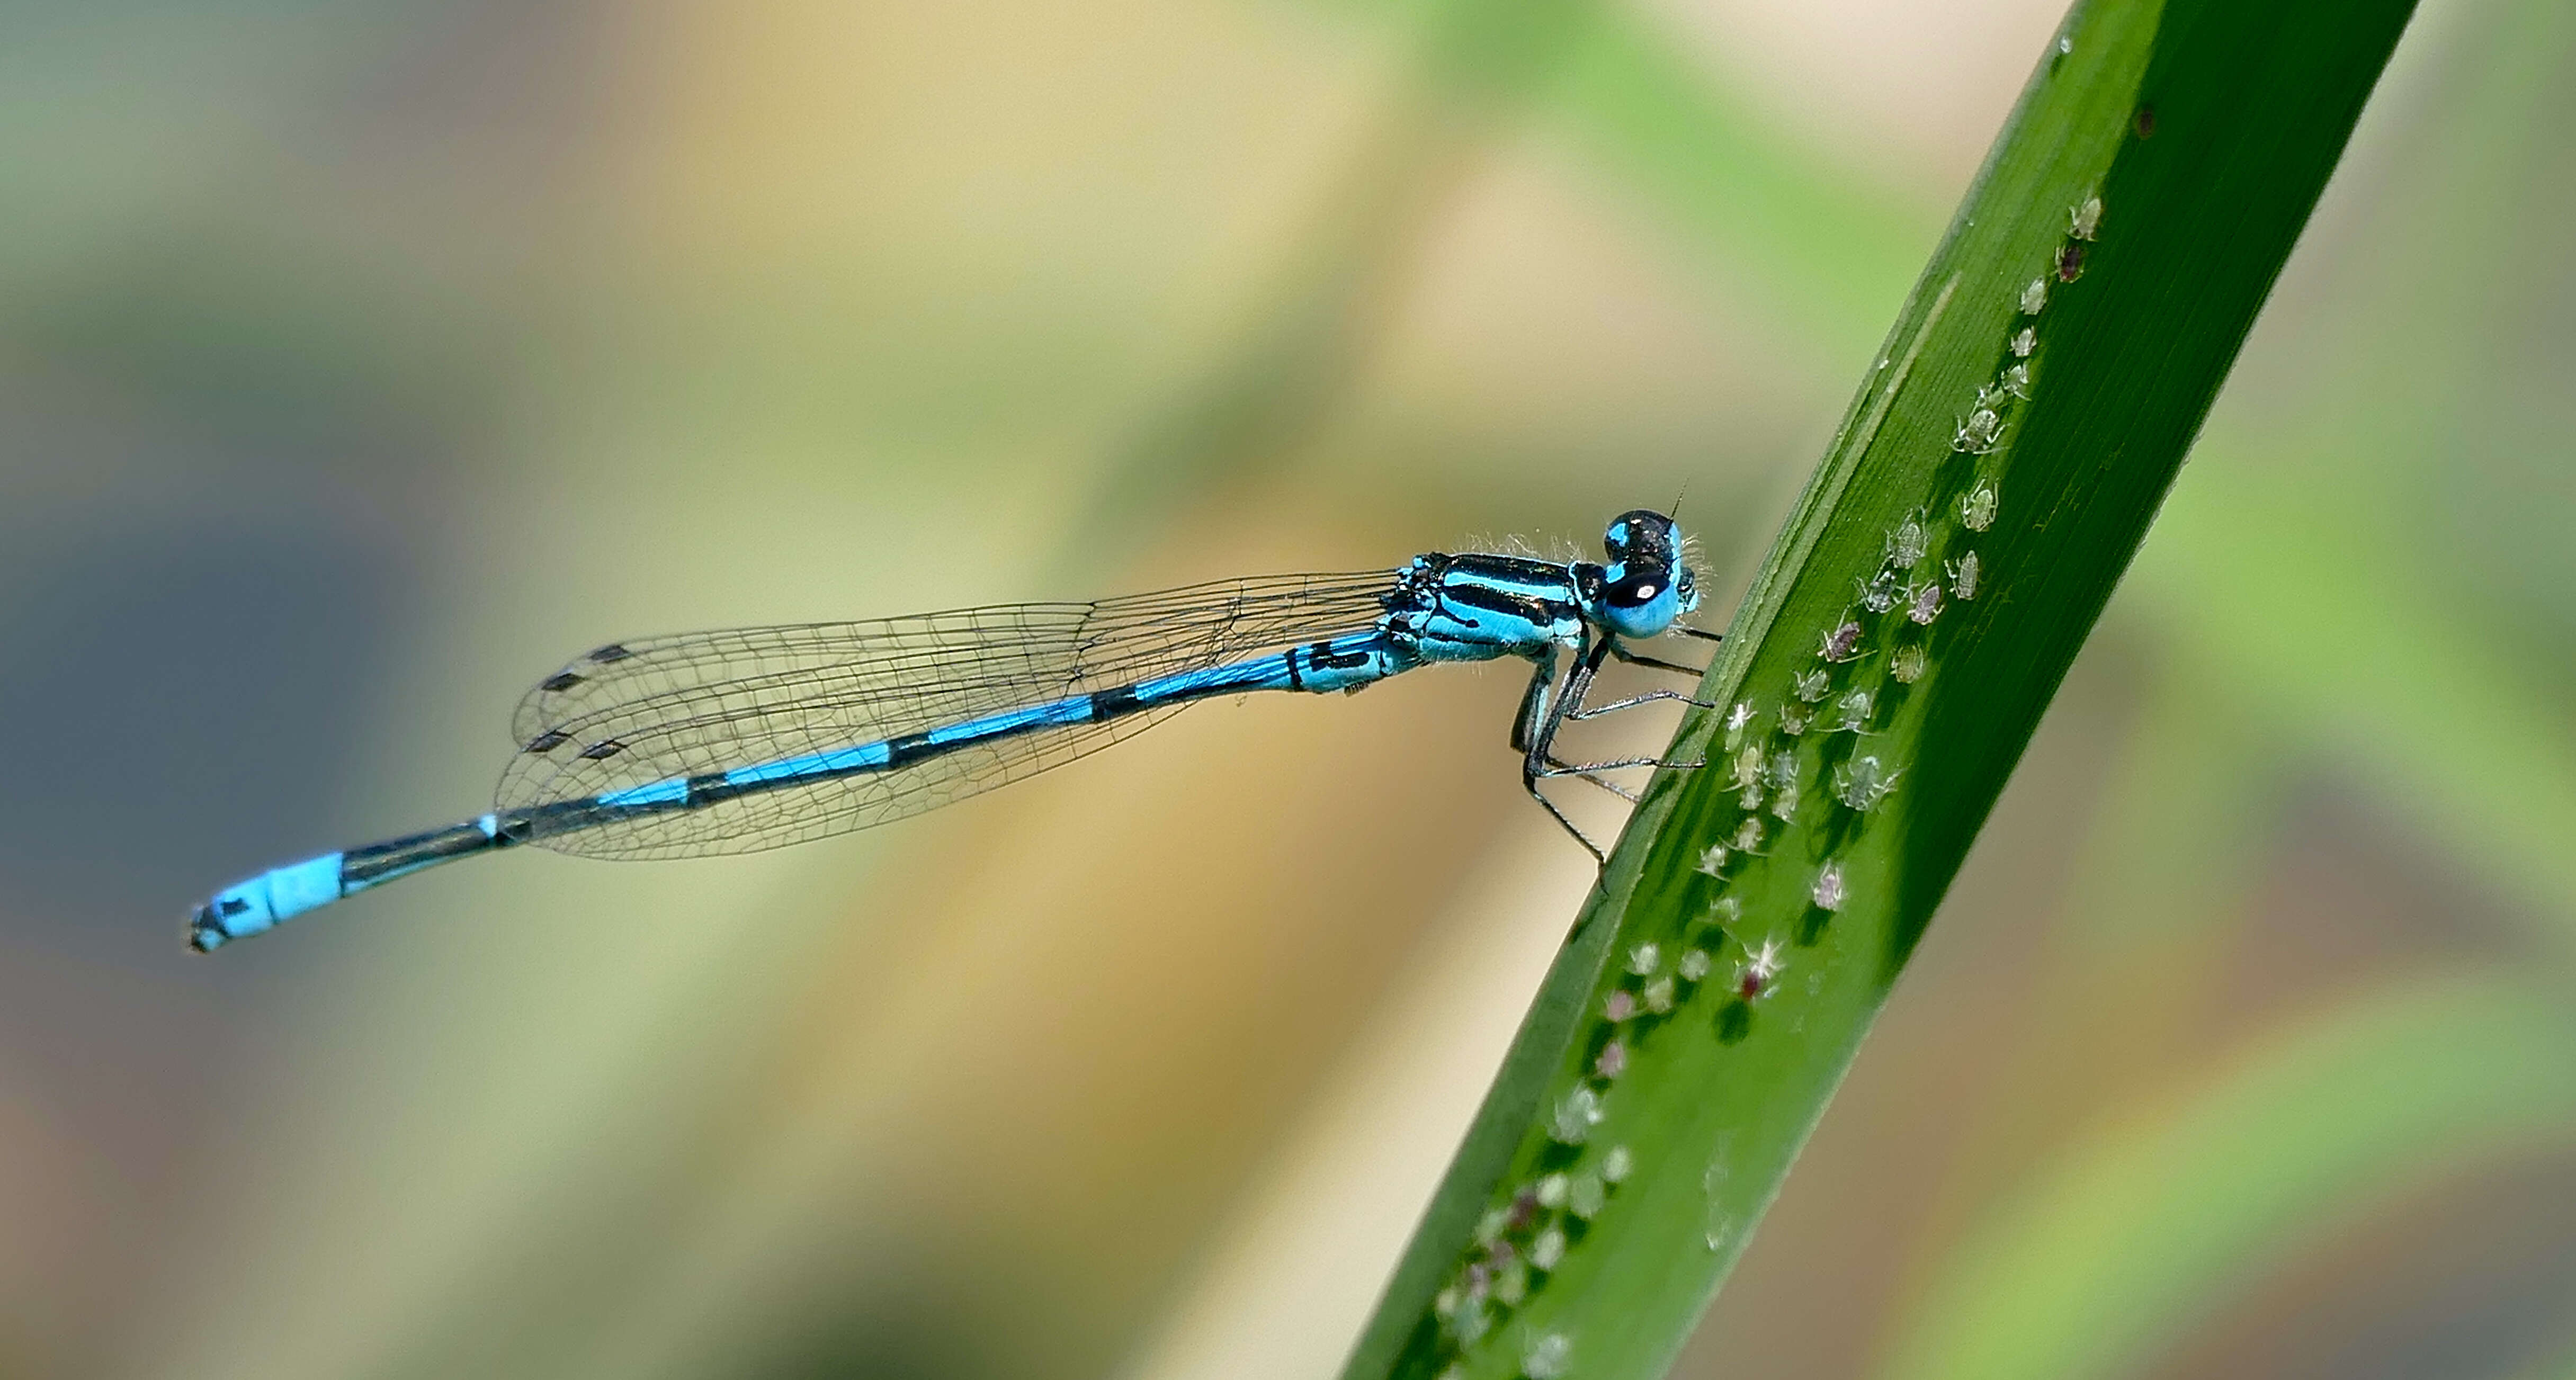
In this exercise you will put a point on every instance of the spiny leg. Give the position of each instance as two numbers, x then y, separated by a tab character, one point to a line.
1542	760
1526	726
1564	768
1530	784
1534	704
1568	699
1650	697
1579	768
1541	715
1657	663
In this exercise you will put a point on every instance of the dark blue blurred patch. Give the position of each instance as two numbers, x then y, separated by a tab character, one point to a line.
179	705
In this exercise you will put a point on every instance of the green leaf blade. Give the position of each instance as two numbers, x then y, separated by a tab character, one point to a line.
2000	510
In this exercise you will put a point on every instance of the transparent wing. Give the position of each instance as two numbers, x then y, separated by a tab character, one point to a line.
634	713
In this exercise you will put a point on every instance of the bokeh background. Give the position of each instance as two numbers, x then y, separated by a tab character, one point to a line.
360	361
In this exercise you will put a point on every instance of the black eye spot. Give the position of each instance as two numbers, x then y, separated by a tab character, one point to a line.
1634	593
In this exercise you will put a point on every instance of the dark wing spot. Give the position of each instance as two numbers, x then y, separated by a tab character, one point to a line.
614	651
547	741
603	749
560	681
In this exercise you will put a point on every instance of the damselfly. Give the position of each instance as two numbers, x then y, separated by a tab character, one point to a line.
729	742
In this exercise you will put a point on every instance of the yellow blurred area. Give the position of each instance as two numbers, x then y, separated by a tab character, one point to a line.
359	362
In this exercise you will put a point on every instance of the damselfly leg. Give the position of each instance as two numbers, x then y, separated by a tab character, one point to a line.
1633	658
1548	706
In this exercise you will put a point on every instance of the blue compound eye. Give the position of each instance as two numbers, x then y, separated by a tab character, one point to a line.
1641	536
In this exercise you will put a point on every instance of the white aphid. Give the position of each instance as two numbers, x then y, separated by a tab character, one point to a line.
1981	433
1863	784
1905	545
2085	220
1855	708
1907	665
1576	1114
1828	892
1964	576
1880	593
1977	510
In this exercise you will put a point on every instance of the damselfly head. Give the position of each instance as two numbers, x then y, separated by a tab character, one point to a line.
1648	582
1641	535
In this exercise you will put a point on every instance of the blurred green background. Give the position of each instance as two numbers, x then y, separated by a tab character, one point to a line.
358	362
